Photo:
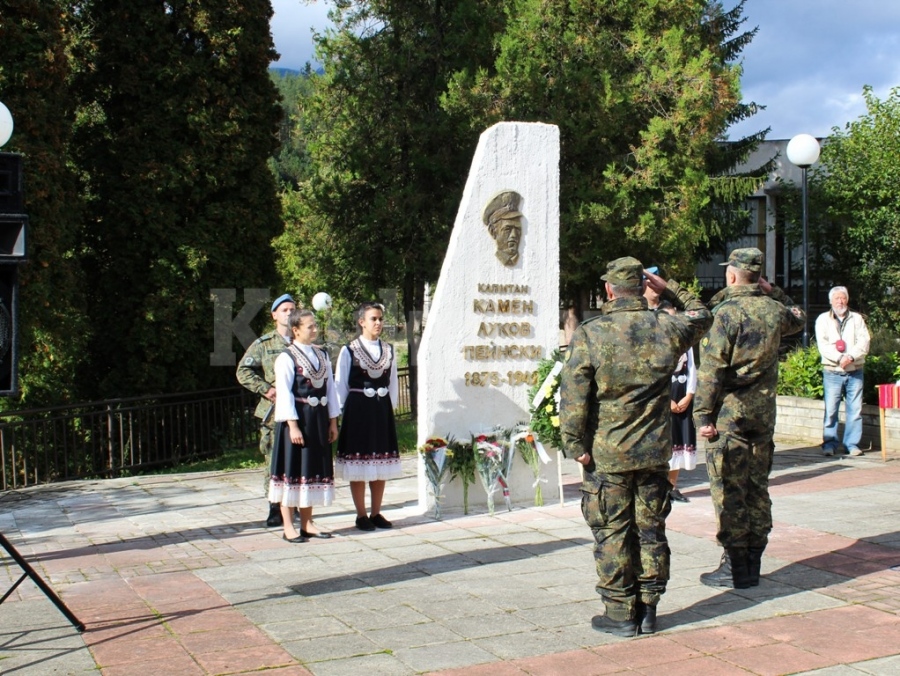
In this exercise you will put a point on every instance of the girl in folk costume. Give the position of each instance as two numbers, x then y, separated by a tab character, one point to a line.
684	436
366	384
306	411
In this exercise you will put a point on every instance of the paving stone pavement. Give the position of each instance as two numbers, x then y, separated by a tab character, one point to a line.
175	575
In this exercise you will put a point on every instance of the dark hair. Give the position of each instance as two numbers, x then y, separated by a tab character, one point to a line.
365	307
297	315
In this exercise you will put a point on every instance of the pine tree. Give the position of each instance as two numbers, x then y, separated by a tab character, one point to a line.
178	119
34	85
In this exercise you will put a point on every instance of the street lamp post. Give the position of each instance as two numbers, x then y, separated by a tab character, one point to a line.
803	151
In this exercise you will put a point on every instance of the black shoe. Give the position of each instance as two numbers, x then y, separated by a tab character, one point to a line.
733	571
297	539
627	628
380	522
677	496
324	536
646	616
275	519
364	523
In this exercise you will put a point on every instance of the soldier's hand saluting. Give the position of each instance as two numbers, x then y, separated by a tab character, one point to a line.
655	282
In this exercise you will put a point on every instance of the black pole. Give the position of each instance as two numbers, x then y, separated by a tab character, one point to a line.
29	572
805	262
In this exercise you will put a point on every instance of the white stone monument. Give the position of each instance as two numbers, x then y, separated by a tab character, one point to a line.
495	310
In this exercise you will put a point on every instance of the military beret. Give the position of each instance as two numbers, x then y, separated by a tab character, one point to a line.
286	298
626	271
746	259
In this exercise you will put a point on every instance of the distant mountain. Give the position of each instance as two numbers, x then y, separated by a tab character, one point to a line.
292	71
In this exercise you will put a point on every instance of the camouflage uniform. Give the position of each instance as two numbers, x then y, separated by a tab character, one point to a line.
736	387
256	372
614	405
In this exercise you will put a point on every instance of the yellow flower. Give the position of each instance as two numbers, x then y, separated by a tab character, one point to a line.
554	420
549	408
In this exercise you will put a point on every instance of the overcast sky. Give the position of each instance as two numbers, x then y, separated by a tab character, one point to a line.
807	64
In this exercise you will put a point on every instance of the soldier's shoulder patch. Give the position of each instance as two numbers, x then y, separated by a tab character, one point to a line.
795	311
248	361
691	313
705	341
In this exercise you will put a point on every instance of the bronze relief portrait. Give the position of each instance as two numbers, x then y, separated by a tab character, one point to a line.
504	223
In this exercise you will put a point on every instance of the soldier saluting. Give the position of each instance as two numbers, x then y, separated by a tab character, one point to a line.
734	410
615	420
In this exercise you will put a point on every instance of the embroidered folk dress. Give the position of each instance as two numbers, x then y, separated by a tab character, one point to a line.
303	476
684	436
366	385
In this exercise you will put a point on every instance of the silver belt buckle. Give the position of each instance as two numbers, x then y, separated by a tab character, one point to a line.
382	391
369	392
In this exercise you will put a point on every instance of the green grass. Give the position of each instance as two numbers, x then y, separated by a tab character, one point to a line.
231	460
406	436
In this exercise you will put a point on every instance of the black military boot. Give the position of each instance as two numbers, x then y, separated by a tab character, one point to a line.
733	571
645	616
275	519
626	628
740	567
754	561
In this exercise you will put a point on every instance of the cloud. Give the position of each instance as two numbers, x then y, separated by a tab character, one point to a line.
810	60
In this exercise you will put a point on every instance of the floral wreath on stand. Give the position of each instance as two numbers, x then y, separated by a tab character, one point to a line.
544	423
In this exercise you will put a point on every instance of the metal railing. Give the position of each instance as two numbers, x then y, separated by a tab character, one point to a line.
108	438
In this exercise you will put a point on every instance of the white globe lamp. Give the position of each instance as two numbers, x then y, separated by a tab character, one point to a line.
321	302
6	124
803	151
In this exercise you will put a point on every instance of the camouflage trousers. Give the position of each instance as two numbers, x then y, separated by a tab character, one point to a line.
739	484
266	444
627	514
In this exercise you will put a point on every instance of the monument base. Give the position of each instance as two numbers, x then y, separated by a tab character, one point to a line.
521	482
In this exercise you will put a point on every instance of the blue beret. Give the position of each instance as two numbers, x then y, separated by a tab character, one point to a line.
286	298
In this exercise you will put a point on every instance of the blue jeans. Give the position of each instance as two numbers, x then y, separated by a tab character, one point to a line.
848	386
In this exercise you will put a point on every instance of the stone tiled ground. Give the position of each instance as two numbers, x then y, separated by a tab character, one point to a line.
174	575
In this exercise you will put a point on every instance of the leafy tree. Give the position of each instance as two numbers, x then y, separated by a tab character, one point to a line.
643	93
178	119
34	74
291	164
390	161
859	181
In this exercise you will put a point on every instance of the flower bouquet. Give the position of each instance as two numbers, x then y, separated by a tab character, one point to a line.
533	453
462	466
436	454
493	458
